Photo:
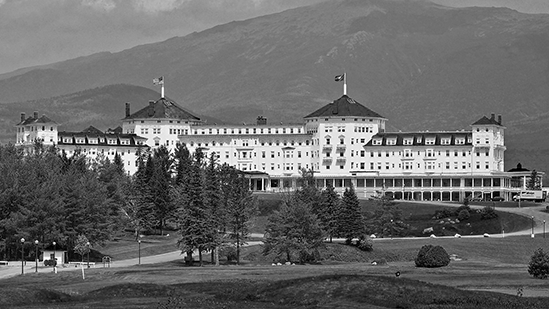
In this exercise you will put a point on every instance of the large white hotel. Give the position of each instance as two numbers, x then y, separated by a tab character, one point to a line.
344	142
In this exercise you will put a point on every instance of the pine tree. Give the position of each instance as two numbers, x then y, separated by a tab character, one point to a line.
212	202
349	219
294	229
327	211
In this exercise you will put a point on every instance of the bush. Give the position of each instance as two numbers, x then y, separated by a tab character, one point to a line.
461	208
463	215
487	213
365	243
539	264
444	213
432	256
229	252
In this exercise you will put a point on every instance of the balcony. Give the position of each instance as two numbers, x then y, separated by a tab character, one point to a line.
341	161
327	161
327	148
341	147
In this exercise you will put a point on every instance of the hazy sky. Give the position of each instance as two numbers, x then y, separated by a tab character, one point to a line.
34	32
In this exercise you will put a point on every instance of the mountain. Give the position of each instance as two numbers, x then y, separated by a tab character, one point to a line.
102	107
421	65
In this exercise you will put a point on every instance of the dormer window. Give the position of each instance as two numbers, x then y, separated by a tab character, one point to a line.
430	141
408	141
377	141
445	141
391	141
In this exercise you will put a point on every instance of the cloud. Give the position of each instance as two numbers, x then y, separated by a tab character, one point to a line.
155	6
105	5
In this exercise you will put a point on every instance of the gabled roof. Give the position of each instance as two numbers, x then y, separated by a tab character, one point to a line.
92	130
486	121
31	120
344	107
162	108
117	130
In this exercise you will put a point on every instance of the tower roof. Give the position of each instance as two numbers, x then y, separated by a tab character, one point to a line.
342	107
486	121
162	108
31	120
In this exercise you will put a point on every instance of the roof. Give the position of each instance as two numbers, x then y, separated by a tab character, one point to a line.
162	108
518	169
92	129
32	120
343	107
420	138
486	121
133	138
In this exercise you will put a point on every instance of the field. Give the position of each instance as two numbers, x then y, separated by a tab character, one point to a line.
494	264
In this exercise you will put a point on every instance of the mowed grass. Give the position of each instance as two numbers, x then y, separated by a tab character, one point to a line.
488	263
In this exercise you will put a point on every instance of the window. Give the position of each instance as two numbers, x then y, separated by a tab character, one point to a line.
362	153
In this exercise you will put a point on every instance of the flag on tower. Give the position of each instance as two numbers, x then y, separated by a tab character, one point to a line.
339	78
159	81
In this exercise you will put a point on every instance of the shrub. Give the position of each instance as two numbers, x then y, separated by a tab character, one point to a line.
539	264
365	243
487	213
463	215
229	252
432	256
461	208
444	213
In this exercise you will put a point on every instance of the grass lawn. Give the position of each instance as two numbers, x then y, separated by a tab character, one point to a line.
488	263
125	246
419	217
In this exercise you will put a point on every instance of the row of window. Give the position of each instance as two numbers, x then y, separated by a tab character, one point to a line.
33	128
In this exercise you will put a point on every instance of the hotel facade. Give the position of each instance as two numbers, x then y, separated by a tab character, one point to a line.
343	142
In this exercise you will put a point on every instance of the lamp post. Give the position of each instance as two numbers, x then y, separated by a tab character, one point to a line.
54	258
543	228
22	255
36	255
532	226
88	244
139	244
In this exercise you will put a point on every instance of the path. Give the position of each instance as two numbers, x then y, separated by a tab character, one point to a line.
537	212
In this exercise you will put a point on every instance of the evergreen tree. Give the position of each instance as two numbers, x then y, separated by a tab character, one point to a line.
212	202
294	229
193	217
327	211
387	220
240	208
160	171
349	218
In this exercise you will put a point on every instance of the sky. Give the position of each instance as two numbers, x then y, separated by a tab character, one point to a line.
36	32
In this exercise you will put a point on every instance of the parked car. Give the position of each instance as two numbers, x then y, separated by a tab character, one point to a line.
498	199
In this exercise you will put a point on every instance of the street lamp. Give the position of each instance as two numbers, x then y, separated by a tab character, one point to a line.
139	242
88	244
543	228
54	258
22	255
532	226
36	254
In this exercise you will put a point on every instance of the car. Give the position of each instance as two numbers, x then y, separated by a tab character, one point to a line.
498	199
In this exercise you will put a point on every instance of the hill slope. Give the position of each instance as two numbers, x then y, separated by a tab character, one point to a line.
421	65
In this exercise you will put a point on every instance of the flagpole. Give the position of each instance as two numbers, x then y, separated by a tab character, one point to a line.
345	83
162	90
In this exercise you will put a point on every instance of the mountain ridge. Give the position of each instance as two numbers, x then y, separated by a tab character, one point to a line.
422	65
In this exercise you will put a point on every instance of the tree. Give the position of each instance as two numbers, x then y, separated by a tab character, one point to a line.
212	202
196	228
327	211
294	229
82	246
539	264
240	207
534	181
350	222
387	219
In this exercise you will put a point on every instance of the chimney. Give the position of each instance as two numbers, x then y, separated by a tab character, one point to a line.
151	108
35	115
127	109
493	117
22	117
499	120
261	121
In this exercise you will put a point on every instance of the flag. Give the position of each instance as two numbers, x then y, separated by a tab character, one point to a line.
339	78
159	81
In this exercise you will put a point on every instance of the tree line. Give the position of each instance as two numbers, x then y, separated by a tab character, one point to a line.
47	196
